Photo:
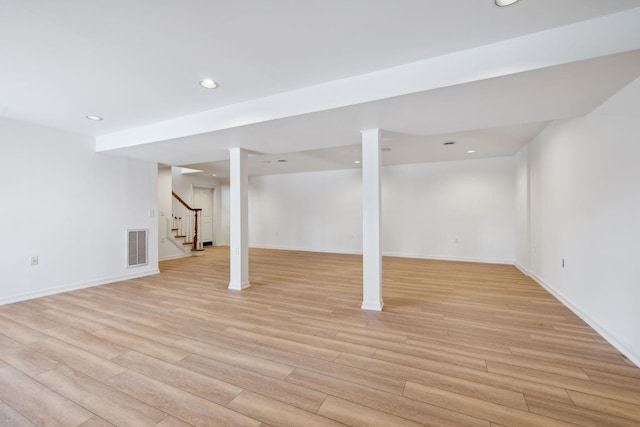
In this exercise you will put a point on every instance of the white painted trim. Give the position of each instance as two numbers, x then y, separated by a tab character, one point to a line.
169	257
620	346
522	269
305	249
391	254
448	258
76	286
372	305
235	286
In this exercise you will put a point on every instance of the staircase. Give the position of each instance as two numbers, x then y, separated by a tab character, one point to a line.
184	224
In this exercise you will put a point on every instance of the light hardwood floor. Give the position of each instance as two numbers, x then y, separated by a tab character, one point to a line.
458	344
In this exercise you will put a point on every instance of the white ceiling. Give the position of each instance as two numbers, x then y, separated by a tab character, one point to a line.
138	63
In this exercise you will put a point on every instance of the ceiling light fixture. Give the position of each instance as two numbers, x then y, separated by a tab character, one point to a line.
213	174
94	118
471	151
503	3
357	162
208	84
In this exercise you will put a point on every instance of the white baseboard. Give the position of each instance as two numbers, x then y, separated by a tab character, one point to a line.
522	269
391	254
448	258
305	249
606	334
168	257
75	286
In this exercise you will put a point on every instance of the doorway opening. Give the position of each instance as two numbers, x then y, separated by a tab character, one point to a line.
203	199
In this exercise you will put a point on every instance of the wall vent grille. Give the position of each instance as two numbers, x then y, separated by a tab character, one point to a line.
137	244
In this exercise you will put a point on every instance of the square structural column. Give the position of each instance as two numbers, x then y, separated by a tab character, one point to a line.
371	221
239	219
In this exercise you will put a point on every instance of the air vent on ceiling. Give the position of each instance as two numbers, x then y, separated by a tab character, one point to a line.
137	244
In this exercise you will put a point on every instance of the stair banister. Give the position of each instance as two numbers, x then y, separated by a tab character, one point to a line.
196	212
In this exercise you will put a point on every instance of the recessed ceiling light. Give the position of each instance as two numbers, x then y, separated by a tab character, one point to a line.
208	84
503	3
94	118
449	143
471	151
213	174
357	162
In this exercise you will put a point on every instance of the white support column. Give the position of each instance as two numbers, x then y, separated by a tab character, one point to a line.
239	219
371	230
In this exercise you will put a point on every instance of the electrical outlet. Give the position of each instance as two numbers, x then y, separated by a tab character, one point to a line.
34	260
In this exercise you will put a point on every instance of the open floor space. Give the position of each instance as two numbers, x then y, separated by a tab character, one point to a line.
459	344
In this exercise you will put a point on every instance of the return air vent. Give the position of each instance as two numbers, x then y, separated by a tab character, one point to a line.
137	244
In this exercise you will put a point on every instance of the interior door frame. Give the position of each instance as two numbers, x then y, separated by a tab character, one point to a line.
214	216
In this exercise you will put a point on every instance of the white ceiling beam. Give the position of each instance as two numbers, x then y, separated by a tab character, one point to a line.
607	35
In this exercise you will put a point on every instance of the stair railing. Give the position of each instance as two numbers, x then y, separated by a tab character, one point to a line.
187	220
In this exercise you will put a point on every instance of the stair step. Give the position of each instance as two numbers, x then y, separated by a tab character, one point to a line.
174	229
180	236
188	243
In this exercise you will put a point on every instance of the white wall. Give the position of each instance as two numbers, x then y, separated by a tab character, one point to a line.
585	208
182	184
314	211
449	210
71	207
522	202
462	210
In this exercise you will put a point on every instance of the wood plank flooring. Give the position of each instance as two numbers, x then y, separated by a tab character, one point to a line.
458	344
